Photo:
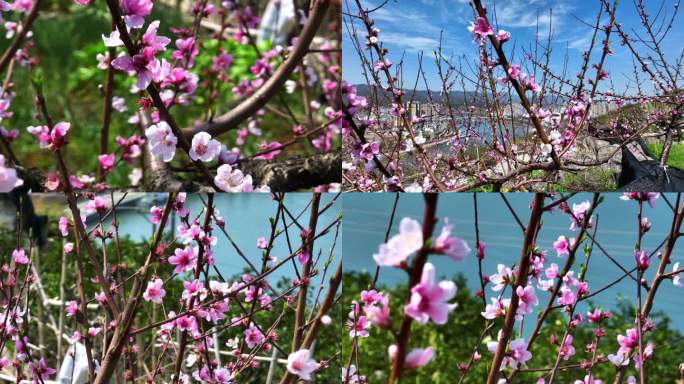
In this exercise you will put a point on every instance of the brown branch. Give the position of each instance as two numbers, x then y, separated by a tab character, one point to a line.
71	199
566	268
252	104
521	280
107	111
327	303
120	337
300	317
429	221
664	261
296	172
516	84
198	270
19	39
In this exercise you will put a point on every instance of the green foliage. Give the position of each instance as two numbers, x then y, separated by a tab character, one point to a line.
676	158
132	255
455	341
594	179
67	40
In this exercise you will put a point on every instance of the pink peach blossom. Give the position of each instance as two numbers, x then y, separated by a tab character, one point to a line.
526	300
155	214
567	296
253	336
429	300
514	71
184	259
502	278
579	212
261	243
649	197
400	246
106	162
647	353
642	259
8	177
416	358
134	12
301	364
517	352
72	308
567	350
369	150
562	246
155	291
63	226
378	314
19	256
358	327
204	148
676	279
480	29
628	341
452	246
162	141
552	271
232	180
503	36
496	308
271	150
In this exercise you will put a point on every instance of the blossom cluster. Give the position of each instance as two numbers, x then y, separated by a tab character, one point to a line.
181	67
429	301
545	272
206	301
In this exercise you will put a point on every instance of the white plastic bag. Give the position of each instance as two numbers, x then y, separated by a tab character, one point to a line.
74	368
277	22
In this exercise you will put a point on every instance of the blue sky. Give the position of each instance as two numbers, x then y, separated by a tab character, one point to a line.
247	218
410	26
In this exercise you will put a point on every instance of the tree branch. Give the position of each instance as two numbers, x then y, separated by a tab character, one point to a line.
521	280
16	43
252	104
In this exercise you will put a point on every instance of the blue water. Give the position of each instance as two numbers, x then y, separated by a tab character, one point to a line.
246	216
366	218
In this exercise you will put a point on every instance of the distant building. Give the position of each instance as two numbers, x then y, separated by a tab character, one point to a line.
418	109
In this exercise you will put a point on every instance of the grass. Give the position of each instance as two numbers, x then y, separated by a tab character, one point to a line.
588	180
676	158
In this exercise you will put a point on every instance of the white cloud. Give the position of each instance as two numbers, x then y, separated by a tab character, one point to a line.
580	37
580	43
408	26
532	13
406	20
411	43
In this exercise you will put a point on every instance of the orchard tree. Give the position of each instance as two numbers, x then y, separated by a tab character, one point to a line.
519	123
